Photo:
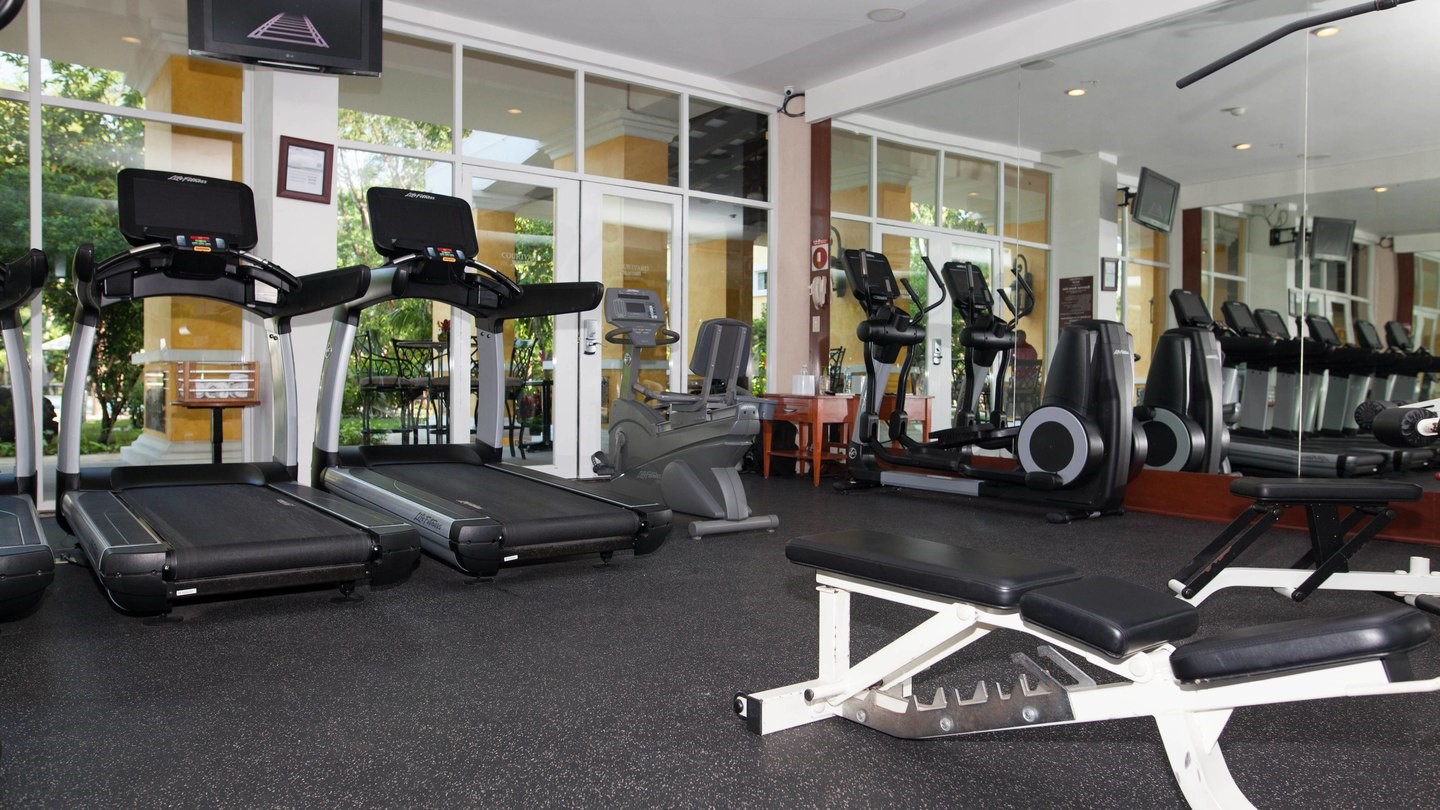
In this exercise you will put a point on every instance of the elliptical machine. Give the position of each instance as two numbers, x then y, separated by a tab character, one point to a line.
1075	452
986	338
689	445
1183	411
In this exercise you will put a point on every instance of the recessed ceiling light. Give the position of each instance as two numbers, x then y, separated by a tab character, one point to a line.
1075	92
1241	147
973	194
128	40
514	111
1380	189
1327	31
886	15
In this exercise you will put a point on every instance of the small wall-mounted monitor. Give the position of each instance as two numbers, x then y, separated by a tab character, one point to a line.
1155	199
324	36
1331	239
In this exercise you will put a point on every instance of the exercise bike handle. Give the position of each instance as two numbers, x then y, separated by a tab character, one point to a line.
621	336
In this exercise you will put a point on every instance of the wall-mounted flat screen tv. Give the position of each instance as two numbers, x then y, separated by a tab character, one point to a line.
325	36
1155	199
1331	239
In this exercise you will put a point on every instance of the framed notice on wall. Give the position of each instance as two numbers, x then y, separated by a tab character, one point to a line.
305	170
1077	300
1109	275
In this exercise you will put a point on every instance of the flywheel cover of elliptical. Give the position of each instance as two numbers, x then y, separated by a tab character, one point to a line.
1176	433
1057	440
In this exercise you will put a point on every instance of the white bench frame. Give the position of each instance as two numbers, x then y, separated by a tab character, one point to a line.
1190	716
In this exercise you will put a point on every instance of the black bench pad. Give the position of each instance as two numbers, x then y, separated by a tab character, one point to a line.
1324	490
1111	615
981	577
1299	644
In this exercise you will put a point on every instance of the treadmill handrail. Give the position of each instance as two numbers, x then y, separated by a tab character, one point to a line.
162	269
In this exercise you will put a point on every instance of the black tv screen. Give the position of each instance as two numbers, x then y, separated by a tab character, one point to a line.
1155	199
1331	239
328	36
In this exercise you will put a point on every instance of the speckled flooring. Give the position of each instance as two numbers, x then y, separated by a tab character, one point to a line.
576	685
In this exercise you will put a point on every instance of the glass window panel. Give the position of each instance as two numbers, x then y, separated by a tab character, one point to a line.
14	180
1027	204
410	105
1360	271
636	254
1145	301
906	179
518	112
729	150
969	189
1228	248
631	132
14	64
357	170
846	312
850	173
132	402
729	245
1036	263
1144	244
95	50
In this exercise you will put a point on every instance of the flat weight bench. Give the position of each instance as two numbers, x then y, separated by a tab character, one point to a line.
1114	625
1334	539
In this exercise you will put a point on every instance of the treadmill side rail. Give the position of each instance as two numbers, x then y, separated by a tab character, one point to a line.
395	544
129	559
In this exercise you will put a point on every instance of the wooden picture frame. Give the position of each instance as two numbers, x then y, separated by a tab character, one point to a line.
305	170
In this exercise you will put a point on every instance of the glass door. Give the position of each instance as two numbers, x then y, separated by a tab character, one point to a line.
526	227
630	238
941	375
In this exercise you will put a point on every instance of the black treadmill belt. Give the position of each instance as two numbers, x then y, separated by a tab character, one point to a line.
221	530
531	511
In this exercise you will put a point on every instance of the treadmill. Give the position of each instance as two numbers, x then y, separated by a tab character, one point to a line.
26	564
156	534
1269	441
473	511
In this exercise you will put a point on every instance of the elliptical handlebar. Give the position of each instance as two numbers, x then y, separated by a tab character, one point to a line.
938	283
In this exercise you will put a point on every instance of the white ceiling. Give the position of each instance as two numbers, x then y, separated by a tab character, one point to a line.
1350	101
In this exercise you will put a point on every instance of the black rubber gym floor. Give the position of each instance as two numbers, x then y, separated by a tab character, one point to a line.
573	684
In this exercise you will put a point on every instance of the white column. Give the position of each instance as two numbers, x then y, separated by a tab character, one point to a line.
296	234
1084	228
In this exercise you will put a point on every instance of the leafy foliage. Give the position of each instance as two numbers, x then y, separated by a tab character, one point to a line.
82	153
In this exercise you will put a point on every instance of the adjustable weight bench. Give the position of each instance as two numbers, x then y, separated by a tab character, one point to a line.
1335	537
1116	626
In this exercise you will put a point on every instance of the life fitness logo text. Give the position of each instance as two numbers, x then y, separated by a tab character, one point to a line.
418	195
185	178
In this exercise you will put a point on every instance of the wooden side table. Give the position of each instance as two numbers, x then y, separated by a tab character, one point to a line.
811	415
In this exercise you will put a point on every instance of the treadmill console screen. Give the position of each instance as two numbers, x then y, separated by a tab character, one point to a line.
404	222
1398	335
1322	330
1239	317
1368	336
1190	309
1273	323
196	213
